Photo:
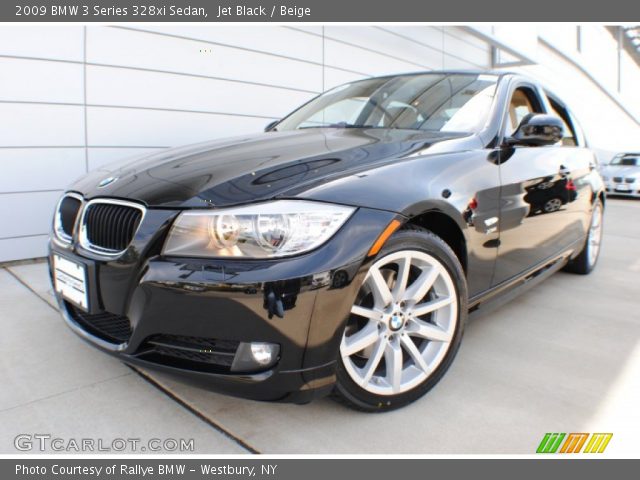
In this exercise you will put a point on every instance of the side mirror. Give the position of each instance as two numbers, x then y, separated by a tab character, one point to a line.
271	125
538	129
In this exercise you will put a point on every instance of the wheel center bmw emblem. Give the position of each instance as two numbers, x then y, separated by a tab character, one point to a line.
396	322
107	181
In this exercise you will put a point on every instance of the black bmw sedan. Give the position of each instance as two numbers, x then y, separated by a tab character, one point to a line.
341	250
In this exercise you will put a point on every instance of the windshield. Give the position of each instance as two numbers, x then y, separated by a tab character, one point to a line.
626	161
441	102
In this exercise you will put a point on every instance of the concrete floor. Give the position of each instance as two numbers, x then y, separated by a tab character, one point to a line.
564	357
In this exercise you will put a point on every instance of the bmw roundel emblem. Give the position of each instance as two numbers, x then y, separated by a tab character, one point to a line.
107	181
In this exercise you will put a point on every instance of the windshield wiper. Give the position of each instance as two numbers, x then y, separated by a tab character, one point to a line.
340	125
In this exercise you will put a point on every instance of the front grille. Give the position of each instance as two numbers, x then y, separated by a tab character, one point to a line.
110	227
630	180
68	211
617	179
198	353
105	325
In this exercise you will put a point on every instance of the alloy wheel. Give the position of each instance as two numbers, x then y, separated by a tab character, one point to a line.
553	205
402	323
595	234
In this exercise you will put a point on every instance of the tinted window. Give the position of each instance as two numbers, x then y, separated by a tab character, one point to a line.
443	102
581	140
626	161
523	102
569	138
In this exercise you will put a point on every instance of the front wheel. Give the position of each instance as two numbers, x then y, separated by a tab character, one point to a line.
405	326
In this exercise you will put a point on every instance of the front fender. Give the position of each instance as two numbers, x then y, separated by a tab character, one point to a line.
464	186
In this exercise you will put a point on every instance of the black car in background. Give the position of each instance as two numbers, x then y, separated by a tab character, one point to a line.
341	250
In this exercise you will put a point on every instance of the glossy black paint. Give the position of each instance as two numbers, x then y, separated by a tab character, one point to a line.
536	130
488	191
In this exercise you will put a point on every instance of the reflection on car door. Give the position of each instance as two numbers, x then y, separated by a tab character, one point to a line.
577	162
537	187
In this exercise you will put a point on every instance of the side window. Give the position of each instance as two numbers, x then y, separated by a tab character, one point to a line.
523	102
581	140
569	138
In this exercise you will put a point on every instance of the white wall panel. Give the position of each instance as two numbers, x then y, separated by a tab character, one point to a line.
54	42
630	84
28	169
115	46
600	54
269	39
560	36
455	63
465	53
35	125
341	55
25	214
116	86
125	126
431	37
462	34
20	248
392	45
334	77
40	81
100	157
315	29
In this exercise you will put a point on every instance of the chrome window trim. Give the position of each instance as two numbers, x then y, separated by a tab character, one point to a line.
59	233
84	242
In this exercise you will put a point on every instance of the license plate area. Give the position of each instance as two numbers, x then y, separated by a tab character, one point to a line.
623	187
70	281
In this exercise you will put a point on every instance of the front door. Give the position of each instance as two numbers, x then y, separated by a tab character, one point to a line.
536	189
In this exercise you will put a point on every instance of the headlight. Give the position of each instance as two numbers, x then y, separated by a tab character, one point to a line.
267	230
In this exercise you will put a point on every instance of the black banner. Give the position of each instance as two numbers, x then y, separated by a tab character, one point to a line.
317	11
312	469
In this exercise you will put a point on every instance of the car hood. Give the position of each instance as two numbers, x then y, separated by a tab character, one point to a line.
261	167
621	171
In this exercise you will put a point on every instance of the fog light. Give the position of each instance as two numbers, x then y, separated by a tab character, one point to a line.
263	352
255	356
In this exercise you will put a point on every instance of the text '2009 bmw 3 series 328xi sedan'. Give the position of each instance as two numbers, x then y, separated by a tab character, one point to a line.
341	250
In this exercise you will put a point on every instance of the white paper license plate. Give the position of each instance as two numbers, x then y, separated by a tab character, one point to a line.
70	279
623	187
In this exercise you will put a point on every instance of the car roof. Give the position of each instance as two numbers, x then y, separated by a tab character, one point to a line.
498	73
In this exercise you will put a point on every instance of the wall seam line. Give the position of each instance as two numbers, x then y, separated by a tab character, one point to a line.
84	84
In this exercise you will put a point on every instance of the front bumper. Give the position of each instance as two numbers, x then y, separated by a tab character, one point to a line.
614	189
299	303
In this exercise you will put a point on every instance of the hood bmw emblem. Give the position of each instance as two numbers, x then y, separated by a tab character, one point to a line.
107	181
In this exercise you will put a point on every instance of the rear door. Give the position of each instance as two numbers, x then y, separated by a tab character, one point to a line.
537	188
578	162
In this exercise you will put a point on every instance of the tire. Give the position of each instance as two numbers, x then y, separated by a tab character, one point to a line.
552	205
587	259
396	336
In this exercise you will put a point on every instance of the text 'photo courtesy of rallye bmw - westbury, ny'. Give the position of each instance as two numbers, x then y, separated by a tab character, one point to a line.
346	265
135	470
